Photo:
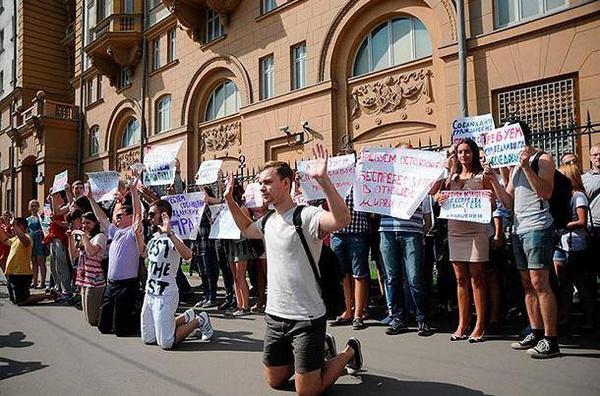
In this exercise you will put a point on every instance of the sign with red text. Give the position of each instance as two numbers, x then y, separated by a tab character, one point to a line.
253	197
223	226
341	171
208	172
60	181
187	213
394	181
104	185
467	205
160	164
503	146
472	128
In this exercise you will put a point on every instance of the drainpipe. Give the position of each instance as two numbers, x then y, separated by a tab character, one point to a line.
462	58
144	82
11	154
81	121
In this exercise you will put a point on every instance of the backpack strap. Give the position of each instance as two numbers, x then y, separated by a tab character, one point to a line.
298	226
264	219
535	165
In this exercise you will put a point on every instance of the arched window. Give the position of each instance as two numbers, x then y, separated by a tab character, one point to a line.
131	133
163	114
94	146
392	43
223	101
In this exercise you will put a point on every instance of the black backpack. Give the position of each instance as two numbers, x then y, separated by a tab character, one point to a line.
560	201
330	280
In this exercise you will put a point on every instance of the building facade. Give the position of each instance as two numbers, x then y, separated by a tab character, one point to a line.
255	80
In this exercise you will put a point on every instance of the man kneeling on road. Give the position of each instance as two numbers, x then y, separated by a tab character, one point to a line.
295	313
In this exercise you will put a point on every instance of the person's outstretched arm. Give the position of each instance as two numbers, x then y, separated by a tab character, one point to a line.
242	220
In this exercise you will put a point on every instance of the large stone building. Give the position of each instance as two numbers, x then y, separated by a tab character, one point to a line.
255	80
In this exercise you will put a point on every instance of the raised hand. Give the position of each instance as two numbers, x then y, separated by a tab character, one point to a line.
228	193
525	155
440	198
318	168
165	227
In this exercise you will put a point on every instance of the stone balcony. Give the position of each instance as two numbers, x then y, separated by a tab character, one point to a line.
116	43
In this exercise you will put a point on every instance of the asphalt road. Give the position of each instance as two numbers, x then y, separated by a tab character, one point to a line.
49	350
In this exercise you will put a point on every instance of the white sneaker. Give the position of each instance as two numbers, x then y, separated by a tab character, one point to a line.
189	315
206	327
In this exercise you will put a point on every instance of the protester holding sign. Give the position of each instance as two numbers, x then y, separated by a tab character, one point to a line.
38	254
468	242
164	252
58	242
472	128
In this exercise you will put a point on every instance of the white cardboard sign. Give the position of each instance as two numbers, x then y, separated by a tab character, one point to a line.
467	205
160	164
208	172
341	171
223	226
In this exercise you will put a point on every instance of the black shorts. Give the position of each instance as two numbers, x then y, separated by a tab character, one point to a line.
294	342
18	287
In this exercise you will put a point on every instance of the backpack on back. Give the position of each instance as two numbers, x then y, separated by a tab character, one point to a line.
330	278
560	201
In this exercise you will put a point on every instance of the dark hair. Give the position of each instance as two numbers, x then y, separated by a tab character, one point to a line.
77	182
84	204
163	206
76	214
283	169
526	132
21	221
476	163
128	209
92	217
238	192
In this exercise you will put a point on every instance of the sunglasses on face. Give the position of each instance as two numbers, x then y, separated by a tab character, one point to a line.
151	214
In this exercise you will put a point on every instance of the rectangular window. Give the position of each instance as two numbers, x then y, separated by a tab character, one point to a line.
1	80
214	27
512	11
1	40
267	73
156	54
89	92
124	78
267	6
94	141
299	66
127	6
171	51
99	88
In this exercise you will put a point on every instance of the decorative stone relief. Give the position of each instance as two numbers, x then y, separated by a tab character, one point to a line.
126	159
391	93
221	137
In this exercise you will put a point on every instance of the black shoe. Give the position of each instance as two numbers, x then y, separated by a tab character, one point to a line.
210	304
226	305
528	342
330	348
424	330
396	327
356	363
544	350
358	324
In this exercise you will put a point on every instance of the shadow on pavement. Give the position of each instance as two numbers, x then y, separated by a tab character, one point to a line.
14	340
370	384
12	368
224	341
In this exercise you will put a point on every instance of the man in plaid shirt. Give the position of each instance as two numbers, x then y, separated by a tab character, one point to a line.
351	244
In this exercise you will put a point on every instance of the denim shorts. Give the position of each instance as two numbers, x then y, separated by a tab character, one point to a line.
353	252
534	250
300	343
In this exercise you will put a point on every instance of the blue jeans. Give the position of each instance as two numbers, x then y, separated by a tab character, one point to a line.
402	254
353	252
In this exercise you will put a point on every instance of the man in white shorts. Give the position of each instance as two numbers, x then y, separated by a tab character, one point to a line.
164	252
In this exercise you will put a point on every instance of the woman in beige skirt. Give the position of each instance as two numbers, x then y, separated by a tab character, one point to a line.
468	241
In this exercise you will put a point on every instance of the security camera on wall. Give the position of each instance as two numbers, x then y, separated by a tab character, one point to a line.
285	129
304	125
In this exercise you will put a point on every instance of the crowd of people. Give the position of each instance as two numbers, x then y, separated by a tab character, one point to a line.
121	261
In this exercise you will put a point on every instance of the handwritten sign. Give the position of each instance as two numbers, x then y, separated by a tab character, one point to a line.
341	171
468	205
208	172
187	213
253	196
472	128
104	185
60	181
393	181
223	226
160	164
504	145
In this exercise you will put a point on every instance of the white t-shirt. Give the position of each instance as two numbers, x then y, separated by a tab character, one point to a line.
574	240
293	292
163	263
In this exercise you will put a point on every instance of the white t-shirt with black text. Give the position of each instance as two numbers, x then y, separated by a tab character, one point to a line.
163	263
293	292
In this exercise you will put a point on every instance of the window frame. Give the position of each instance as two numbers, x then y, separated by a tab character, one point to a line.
297	64
542	5
390	46
89	91
124	78
171	45
212	99
125	133
162	113
99	87
217	30
94	141
267	77
263	6
156	54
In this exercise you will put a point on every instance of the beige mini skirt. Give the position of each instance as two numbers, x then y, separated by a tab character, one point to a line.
474	248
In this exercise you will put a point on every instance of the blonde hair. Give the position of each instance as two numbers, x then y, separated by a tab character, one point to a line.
33	201
574	174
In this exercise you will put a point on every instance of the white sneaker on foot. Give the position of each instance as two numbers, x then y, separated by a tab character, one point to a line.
205	326
189	315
